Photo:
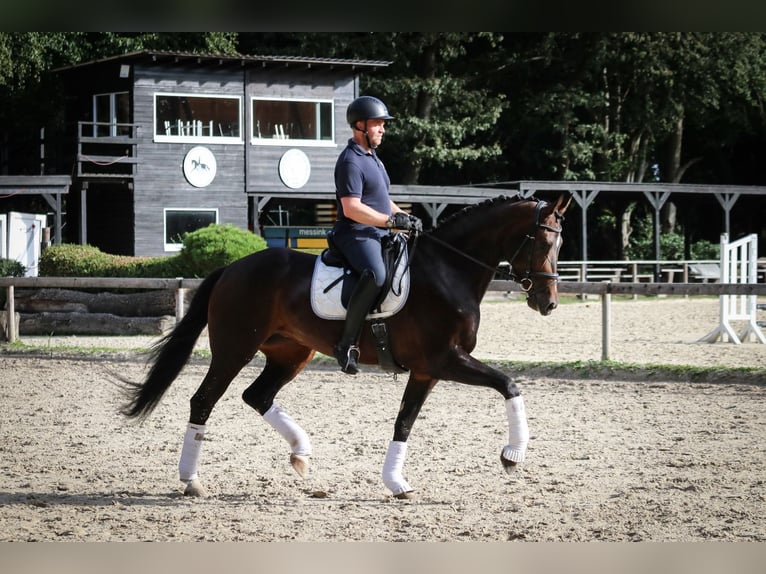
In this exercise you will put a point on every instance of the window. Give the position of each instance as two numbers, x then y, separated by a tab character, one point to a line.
183	117
111	115
290	122
185	220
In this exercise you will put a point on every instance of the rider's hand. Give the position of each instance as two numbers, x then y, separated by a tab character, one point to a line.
401	220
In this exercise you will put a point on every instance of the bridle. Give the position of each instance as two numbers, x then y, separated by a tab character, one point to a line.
525	280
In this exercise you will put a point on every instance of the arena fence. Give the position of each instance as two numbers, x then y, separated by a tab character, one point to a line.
603	289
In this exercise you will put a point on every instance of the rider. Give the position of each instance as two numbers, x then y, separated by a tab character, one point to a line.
366	213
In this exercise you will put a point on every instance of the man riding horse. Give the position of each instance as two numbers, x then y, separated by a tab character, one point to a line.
366	214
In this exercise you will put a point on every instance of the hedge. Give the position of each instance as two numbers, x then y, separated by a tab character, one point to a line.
202	251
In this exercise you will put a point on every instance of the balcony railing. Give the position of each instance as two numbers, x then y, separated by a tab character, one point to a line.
107	150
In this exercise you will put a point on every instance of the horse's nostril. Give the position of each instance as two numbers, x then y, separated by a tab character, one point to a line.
551	306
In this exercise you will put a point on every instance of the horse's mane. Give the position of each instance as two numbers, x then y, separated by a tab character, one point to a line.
467	212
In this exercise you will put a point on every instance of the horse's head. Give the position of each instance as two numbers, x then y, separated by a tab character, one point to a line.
533	265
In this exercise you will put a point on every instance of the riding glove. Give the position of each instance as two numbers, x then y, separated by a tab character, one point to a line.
401	220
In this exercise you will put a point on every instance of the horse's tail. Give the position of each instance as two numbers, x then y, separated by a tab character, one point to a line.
170	354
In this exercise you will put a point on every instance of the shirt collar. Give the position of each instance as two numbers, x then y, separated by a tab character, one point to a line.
358	150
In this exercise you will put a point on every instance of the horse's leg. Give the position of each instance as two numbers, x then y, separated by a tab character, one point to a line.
415	394
216	381
463	368
284	360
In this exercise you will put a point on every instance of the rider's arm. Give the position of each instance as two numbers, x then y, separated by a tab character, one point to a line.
353	208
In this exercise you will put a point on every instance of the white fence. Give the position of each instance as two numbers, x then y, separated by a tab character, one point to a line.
739	264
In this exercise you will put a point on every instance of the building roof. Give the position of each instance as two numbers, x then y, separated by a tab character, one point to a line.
262	61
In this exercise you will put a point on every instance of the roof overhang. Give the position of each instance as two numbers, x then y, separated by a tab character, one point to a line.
186	59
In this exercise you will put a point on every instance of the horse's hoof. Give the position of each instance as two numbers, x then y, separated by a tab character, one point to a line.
409	495
300	464
195	488
510	466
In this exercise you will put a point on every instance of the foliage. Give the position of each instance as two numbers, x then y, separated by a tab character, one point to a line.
436	87
203	251
671	248
489	107
705	249
206	249
11	268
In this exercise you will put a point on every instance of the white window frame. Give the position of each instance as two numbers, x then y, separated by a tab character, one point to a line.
175	247
113	121
161	137
273	139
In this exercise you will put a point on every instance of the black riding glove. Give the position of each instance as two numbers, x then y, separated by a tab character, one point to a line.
401	220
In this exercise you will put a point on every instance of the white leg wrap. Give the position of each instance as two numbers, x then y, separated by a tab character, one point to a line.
187	466
518	431
392	468
288	429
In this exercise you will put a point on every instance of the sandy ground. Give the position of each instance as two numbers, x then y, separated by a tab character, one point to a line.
616	460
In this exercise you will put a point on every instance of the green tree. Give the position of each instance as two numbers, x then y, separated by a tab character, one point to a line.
436	87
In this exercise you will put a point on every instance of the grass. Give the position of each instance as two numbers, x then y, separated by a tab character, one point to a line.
533	369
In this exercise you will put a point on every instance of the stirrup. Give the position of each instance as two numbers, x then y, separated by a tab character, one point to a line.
347	359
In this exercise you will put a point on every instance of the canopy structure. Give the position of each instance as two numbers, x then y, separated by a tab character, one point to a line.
51	187
584	192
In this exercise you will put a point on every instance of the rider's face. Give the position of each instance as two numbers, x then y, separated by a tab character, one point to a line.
375	131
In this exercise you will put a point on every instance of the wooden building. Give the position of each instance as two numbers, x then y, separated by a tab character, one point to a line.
169	142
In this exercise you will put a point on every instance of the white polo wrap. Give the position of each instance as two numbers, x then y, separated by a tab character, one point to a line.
518	431
187	466
392	468
288	429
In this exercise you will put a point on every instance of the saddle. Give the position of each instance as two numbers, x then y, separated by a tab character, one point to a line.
334	280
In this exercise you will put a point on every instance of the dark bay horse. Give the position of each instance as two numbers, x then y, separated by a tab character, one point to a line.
261	303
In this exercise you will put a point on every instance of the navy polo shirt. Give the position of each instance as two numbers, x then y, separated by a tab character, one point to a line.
361	174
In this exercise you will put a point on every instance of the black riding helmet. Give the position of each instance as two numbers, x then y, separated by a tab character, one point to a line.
366	108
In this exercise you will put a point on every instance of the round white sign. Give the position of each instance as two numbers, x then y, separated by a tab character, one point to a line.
294	168
199	166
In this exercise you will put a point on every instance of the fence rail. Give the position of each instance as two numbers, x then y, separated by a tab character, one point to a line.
603	289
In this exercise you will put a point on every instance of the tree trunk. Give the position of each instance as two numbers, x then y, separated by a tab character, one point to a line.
147	304
625	228
92	324
423	106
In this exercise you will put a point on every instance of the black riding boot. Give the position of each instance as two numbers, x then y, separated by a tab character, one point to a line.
362	298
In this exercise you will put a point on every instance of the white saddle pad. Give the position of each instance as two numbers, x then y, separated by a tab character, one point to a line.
328	305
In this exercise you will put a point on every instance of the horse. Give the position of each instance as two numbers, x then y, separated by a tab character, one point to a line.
261	303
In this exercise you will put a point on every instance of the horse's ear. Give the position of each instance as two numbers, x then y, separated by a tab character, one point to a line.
563	202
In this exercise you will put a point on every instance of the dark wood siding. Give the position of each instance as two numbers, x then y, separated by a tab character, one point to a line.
263	160
159	181
243	169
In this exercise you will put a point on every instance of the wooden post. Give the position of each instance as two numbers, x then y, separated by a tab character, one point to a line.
606	325
180	296
11	304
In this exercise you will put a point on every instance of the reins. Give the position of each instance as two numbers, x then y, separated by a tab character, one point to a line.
526	280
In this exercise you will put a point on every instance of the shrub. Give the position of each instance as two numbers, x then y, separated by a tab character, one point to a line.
705	249
203	251
68	260
11	268
214	246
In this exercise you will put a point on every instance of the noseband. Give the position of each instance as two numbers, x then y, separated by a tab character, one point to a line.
525	280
